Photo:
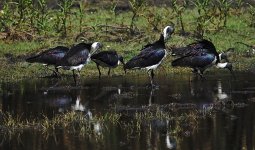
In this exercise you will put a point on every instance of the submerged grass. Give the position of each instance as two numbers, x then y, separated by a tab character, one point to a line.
177	117
73	122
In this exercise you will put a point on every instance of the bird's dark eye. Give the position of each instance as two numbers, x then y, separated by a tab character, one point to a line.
168	30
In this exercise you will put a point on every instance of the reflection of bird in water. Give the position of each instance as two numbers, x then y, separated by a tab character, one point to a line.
61	102
220	95
221	100
151	96
96	124
113	94
107	92
97	128
78	106
162	126
200	90
57	99
170	142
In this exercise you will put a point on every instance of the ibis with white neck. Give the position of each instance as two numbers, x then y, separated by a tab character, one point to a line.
78	56
200	56
152	55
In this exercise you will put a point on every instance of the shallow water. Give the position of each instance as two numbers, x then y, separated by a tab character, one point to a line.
229	126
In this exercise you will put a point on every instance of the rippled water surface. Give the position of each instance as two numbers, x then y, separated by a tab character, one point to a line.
225	108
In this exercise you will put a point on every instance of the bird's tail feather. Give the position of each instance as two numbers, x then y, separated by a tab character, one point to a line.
32	59
180	51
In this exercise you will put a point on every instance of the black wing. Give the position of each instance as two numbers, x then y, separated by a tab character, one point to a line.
200	60
146	59
107	57
77	55
201	46
50	56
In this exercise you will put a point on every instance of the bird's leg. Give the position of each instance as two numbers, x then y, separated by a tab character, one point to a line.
195	70
152	80
109	71
79	73
99	71
56	72
51	87
74	77
150	98
200	73
46	67
151	75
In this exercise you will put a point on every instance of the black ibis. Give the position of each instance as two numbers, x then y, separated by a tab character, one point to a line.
202	44
78	56
108	59
151	55
49	57
200	56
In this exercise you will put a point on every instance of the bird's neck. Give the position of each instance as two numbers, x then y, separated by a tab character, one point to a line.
218	58
161	40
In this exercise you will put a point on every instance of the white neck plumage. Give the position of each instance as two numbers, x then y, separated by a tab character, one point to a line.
221	65
220	56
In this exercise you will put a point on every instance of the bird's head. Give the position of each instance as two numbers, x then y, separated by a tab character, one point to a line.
167	32
121	60
226	54
96	46
223	56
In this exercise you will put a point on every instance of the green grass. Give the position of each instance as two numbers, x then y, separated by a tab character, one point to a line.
14	51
